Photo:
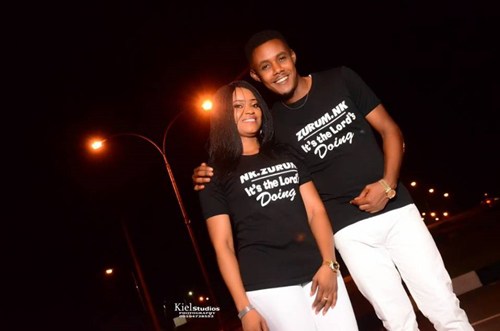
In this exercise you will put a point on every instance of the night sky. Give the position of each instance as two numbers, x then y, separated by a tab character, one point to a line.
113	67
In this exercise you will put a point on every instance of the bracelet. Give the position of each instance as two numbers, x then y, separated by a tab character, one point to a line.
245	310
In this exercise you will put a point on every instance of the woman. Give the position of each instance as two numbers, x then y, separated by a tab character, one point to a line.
270	231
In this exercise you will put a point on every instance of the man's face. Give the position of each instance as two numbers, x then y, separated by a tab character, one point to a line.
273	64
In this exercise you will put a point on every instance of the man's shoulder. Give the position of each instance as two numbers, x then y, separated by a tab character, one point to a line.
334	71
329	77
338	76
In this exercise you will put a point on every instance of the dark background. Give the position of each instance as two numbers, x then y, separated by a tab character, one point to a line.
111	67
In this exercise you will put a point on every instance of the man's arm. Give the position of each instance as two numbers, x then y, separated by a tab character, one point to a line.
373	198
201	175
393	143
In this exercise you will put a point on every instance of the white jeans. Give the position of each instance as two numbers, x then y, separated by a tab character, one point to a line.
383	250
289	308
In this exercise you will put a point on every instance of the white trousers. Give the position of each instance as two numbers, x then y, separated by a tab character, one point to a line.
289	308
382	251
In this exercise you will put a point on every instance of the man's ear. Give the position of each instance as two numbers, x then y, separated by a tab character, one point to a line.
293	55
254	75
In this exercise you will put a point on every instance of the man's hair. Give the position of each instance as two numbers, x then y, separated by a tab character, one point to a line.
259	38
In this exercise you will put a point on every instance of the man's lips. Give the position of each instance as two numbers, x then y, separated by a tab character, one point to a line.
281	80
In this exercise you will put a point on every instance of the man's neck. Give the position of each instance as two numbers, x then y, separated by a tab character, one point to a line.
303	87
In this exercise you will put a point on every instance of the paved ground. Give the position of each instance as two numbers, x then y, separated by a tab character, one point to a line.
470	250
481	304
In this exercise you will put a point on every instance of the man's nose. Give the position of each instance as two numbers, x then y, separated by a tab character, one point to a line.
277	68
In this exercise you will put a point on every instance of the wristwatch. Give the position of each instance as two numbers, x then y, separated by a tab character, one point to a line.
334	265
389	191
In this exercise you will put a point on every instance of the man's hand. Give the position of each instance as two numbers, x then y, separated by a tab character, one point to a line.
201	175
372	199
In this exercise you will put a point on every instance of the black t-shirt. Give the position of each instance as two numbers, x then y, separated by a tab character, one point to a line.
330	134
274	244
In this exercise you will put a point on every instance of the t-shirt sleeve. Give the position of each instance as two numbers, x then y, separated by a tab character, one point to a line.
303	170
363	96
213	200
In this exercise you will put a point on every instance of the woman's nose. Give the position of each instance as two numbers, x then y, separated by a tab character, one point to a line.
249	110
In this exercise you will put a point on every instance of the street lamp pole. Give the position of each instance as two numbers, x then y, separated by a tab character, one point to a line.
145	291
185	216
180	202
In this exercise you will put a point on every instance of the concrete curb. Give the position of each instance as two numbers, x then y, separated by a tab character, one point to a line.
476	278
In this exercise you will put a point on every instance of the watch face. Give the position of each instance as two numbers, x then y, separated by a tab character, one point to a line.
334	265
391	194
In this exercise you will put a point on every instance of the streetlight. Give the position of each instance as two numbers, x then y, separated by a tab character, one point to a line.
97	144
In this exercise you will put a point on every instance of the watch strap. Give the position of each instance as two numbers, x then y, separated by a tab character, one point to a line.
389	191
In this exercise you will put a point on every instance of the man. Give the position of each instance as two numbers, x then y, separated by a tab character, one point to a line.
329	119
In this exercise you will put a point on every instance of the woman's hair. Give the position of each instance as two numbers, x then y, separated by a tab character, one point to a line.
225	147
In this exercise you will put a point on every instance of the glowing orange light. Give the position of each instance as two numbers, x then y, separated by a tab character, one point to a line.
96	143
207	105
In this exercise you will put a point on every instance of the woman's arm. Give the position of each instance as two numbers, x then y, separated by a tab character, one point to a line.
220	232
325	280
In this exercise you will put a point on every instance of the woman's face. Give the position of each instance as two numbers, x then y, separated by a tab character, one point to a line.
247	112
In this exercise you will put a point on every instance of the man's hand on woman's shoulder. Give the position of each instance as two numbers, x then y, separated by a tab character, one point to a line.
201	176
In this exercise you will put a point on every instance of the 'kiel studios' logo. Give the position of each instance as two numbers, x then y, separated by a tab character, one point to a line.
190	311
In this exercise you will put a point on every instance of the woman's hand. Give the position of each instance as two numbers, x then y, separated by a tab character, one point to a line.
253	321
324	284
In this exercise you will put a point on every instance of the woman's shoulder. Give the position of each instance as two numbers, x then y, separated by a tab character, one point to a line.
280	150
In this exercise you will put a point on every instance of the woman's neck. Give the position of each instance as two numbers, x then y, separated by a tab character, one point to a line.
251	146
